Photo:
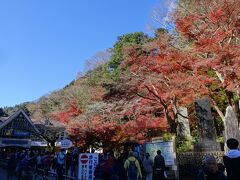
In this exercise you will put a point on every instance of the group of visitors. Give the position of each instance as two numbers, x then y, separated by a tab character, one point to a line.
130	166
231	161
25	163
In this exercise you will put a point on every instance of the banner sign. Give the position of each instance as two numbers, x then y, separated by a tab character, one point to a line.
39	143
15	142
87	164
19	133
66	143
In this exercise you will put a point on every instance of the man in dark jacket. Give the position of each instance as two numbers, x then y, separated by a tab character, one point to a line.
159	166
232	160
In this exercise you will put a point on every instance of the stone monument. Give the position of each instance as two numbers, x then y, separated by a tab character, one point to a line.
183	128
231	125
207	130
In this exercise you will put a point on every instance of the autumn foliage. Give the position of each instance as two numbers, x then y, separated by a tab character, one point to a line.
213	27
148	79
72	110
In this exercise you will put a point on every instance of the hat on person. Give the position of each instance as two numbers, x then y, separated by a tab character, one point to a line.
209	158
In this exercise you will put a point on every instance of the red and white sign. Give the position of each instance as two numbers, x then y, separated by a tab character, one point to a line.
84	159
87	164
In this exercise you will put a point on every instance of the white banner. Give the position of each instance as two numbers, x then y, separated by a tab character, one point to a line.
166	148
87	164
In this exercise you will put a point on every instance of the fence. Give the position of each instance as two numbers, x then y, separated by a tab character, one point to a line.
189	162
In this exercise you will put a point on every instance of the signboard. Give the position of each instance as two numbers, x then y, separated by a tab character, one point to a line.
166	148
66	143
87	164
19	133
39	143
15	142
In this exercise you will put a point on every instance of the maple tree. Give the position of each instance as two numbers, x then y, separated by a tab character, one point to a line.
212	28
71	112
159	72
96	132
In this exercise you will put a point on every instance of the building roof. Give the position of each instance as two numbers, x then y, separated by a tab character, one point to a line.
2	119
9	119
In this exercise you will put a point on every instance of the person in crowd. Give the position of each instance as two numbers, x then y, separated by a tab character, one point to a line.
159	166
47	161
22	166
54	162
232	160
39	163
210	170
148	166
11	166
73	164
117	170
132	167
60	163
68	161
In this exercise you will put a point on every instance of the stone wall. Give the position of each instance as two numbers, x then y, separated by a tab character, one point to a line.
190	162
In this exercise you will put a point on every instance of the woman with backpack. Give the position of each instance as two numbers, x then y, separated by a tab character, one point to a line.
132	167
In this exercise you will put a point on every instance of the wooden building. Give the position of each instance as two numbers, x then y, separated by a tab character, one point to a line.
19	131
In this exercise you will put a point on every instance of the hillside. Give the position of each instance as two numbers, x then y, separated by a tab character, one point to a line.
135	90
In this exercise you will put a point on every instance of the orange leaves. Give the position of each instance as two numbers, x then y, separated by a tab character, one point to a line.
96	129
216	14
140	127
216	33
72	111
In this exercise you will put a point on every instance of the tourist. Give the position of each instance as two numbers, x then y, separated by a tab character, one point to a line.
159	166
232	160
74	163
60	163
47	161
54	163
210	170
39	163
148	166
68	162
132	167
11	167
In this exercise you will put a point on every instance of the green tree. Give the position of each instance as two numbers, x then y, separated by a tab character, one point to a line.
125	40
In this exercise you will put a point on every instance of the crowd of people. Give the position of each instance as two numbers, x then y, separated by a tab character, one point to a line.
23	164
129	165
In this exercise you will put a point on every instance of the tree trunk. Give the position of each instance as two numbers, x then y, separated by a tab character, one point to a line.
53	146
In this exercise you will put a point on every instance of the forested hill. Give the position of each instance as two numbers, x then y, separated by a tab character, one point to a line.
134	90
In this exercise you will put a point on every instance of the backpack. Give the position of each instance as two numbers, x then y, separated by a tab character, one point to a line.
132	169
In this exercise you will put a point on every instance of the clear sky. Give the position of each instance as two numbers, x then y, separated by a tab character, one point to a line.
44	43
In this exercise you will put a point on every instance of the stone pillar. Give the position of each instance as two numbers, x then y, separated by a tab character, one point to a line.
183	129
231	125
207	130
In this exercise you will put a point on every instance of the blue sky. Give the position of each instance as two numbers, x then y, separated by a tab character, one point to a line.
44	43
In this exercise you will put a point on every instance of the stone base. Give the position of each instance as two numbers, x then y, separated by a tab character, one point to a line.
207	146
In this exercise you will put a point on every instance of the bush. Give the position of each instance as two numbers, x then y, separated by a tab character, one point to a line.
183	144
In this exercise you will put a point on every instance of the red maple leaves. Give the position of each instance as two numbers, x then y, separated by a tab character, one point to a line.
71	112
